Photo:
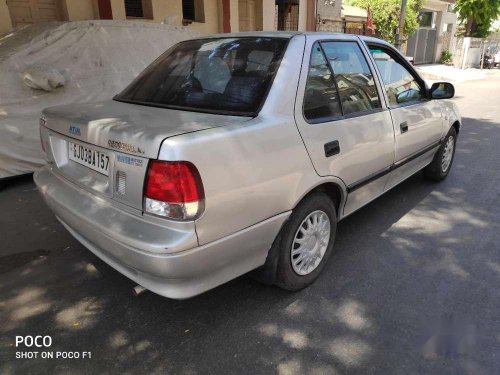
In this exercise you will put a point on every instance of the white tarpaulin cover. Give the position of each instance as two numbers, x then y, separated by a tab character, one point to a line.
88	60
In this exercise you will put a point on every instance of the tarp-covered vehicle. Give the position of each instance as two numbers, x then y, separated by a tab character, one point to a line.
60	63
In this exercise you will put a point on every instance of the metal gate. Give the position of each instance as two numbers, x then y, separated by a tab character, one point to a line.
422	46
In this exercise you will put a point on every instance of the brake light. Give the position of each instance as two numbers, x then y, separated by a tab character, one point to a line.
174	190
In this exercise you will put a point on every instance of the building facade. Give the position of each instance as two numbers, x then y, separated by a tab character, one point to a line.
205	16
329	16
436	33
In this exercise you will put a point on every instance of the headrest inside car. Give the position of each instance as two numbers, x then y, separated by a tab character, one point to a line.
340	56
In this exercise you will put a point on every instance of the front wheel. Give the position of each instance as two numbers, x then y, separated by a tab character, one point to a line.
440	166
305	242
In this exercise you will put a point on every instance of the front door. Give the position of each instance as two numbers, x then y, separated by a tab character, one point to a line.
417	120
346	128
246	10
421	46
27	12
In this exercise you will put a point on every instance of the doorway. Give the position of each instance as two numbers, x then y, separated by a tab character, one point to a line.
28	12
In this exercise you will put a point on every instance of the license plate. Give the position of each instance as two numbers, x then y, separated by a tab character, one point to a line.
89	157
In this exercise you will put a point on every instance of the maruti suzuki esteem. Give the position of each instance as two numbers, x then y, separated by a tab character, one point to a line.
241	152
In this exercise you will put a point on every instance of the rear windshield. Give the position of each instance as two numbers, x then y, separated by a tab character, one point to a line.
227	76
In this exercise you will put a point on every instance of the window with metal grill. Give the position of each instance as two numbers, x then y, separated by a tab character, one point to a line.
133	8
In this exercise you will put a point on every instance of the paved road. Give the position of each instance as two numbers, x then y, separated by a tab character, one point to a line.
413	287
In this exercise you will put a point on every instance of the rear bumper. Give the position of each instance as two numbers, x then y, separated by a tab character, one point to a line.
164	259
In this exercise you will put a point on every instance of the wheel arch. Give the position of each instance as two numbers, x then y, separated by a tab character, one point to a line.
334	188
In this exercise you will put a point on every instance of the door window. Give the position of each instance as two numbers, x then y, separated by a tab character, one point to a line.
400	85
355	82
321	101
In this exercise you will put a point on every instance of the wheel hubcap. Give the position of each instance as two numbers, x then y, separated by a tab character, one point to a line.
310	243
447	154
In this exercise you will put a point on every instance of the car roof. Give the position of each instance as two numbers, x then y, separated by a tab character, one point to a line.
289	35
268	34
272	34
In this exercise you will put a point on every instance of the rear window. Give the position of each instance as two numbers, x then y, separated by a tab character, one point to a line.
226	75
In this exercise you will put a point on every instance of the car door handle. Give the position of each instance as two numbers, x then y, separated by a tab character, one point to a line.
404	127
332	148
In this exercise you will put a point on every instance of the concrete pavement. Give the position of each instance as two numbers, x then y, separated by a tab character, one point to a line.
413	287
442	72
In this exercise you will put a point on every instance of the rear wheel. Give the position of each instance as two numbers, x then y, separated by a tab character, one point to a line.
443	160
305	242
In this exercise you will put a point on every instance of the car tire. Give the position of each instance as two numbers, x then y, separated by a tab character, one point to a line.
440	166
317	206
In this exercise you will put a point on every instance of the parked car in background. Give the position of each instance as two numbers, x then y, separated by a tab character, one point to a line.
241	152
34	62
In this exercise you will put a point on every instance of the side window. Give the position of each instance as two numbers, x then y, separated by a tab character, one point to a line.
321	102
357	89
399	83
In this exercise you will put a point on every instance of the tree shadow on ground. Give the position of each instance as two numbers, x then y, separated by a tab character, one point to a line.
420	252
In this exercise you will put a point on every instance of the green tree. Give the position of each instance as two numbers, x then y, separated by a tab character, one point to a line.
478	15
385	15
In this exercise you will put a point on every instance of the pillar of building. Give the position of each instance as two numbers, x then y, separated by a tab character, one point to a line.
439	34
311	15
268	15
5	21
302	15
225	14
118	10
234	20
78	10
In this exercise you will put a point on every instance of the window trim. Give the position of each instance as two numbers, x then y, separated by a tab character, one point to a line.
402	61
369	68
332	73
323	120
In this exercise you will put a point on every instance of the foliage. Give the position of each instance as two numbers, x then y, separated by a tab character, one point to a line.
385	15
446	58
478	15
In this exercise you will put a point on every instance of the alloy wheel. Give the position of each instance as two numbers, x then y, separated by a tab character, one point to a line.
310	243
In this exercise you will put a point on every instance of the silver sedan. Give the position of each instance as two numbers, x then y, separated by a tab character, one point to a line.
241	152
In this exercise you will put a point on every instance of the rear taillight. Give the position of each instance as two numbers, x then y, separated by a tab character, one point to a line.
174	190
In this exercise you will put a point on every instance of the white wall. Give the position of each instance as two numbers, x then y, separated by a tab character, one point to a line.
302	15
78	10
268	15
443	19
5	22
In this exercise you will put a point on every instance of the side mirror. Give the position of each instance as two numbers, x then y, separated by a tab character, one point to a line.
442	90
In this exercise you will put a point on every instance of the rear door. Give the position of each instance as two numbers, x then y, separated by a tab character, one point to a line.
344	123
417	120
